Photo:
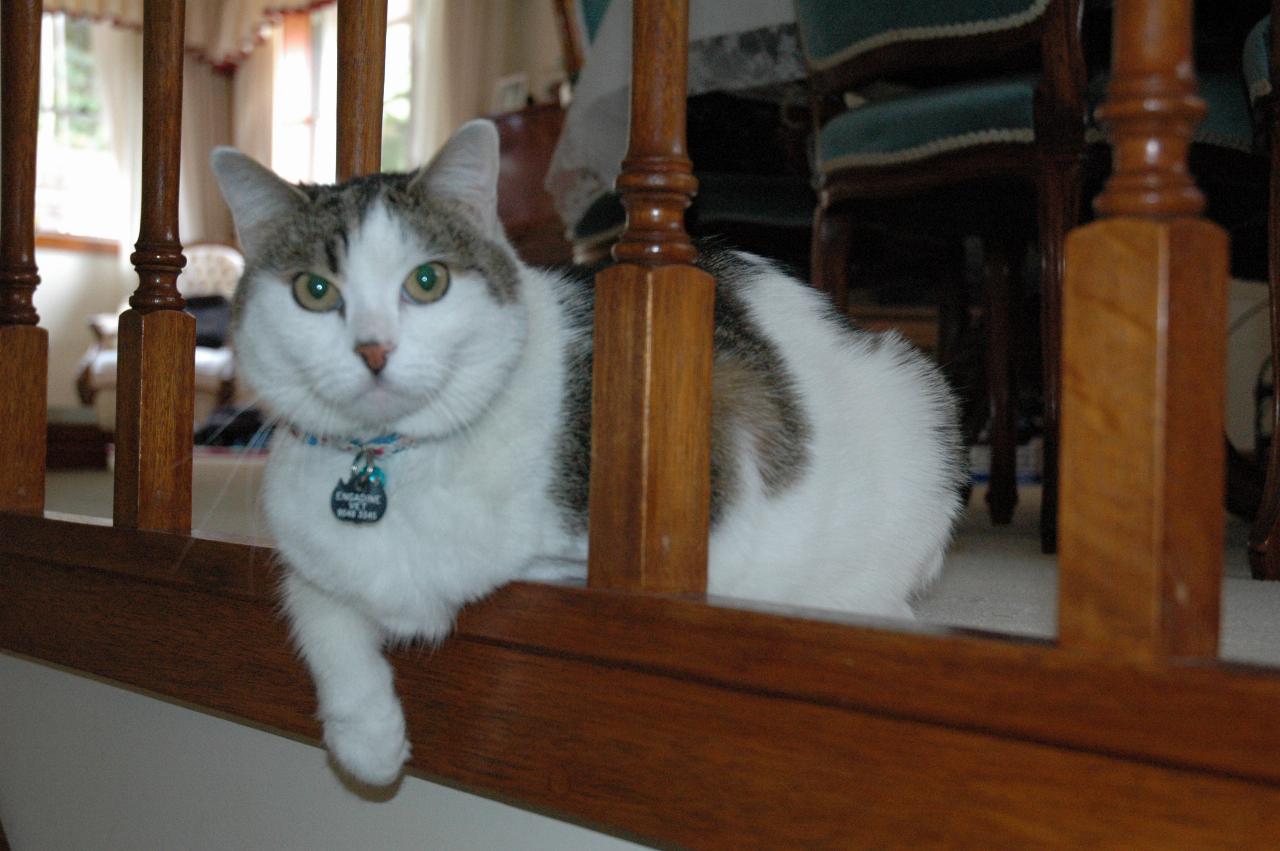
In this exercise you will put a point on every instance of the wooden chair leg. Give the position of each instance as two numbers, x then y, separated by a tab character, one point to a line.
1002	487
1058	202
829	260
1264	538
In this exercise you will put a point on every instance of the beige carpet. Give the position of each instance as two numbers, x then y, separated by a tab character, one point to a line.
995	579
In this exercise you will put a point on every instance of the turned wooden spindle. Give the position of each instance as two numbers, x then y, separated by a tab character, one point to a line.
24	348
651	400
1144	356
1264	542
362	49
155	382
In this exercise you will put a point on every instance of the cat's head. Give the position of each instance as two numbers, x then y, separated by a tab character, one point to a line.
386	303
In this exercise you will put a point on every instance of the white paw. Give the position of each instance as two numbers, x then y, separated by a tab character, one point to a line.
371	746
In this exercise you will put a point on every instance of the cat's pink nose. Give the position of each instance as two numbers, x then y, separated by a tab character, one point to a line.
374	355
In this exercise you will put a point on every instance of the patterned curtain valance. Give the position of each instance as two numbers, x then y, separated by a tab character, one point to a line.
220	32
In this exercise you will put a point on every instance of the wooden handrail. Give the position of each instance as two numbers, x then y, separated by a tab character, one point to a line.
24	348
651	401
1144	347
155	373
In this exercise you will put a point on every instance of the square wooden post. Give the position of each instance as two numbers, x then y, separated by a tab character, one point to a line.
1144	350
651	385
24	347
155	381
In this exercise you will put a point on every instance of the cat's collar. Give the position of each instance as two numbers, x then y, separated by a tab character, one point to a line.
383	444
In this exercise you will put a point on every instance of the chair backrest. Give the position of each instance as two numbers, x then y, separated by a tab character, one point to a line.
212	269
849	44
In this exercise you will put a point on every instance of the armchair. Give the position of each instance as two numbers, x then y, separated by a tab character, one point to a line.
208	283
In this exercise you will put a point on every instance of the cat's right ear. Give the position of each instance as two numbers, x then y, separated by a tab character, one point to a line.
256	195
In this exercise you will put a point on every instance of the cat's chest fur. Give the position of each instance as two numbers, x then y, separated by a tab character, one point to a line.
462	516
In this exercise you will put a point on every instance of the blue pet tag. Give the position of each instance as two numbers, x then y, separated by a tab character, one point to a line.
361	498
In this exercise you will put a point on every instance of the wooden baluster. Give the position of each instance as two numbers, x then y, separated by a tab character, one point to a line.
650	457
362	49
24	348
1144	356
155	383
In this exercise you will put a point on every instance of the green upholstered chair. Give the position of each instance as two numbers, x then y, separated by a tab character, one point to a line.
997	94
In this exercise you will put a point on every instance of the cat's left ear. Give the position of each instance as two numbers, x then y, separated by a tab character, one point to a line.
466	171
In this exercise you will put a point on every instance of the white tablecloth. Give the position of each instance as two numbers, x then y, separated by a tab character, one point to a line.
734	45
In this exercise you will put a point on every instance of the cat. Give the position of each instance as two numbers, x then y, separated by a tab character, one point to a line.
389	314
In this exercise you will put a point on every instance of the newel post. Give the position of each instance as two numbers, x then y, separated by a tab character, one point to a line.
651	399
362	49
1144	355
24	348
155	385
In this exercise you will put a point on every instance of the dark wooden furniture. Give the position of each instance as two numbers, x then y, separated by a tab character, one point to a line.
76	442
527	138
640	707
1264	539
1050	166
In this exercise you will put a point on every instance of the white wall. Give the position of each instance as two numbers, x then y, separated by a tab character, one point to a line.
74	285
88	766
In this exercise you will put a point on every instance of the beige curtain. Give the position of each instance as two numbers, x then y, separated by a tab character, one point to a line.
206	123
462	48
221	32
459	53
253	93
117	54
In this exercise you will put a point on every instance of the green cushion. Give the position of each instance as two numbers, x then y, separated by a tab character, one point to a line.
833	31
592	14
757	199
1227	124
1257	59
760	199
929	122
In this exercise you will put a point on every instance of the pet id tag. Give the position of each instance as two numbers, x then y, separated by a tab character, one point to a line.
361	498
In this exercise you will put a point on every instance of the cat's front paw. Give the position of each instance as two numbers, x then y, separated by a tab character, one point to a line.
372	746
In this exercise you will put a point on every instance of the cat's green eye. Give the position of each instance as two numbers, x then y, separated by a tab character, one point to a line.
315	293
427	283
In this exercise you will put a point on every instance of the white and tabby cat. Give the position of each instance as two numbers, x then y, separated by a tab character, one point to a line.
389	315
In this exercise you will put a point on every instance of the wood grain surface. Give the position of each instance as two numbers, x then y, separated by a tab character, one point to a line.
24	358
654	318
155	372
671	756
1144	349
24	348
362	50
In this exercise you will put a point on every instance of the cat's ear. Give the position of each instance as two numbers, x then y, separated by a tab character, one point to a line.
256	195
466	170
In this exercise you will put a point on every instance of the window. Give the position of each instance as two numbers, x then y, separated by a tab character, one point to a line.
304	134
76	171
397	83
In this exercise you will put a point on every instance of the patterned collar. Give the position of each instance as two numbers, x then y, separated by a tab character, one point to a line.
383	444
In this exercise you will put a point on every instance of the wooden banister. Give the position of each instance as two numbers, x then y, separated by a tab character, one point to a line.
362	49
1144	349
24	348
155	373
651	401
726	726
